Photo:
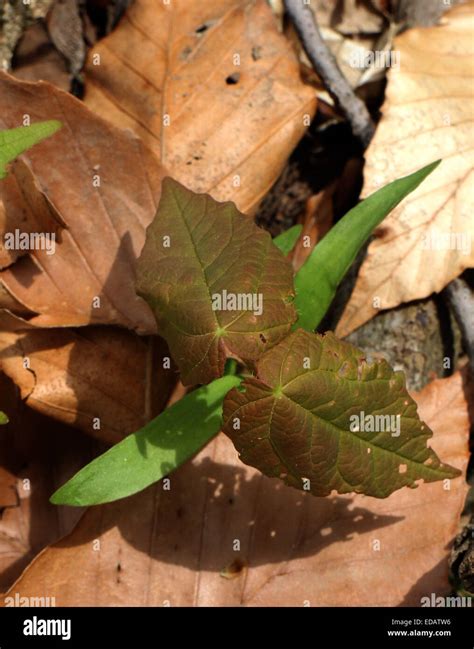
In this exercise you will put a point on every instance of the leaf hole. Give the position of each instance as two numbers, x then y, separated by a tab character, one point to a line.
203	28
402	468
233	569
233	79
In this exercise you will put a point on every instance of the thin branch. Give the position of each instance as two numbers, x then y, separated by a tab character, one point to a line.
328	70
461	299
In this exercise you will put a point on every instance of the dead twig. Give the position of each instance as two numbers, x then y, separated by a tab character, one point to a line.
462	302
327	68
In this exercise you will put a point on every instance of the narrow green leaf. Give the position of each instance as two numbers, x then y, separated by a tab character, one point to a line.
321	418
3	418
151	453
317	280
15	141
217	285
286	240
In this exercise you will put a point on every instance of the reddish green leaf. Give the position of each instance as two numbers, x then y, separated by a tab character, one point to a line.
308	418
217	284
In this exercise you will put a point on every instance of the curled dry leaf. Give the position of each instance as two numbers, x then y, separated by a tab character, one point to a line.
317	221
428	113
212	88
335	551
188	274
95	188
36	58
105	381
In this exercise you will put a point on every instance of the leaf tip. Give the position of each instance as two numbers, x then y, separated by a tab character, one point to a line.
63	496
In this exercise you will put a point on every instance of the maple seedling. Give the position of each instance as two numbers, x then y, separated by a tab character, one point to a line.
308	409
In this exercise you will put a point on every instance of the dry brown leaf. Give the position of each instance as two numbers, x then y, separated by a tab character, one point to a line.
231	127
96	187
65	29
316	221
428	114
294	548
37	59
36	456
104	381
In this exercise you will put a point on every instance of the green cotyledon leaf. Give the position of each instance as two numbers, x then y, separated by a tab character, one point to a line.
152	452
318	278
216	283
15	141
286	240
3	418
321	418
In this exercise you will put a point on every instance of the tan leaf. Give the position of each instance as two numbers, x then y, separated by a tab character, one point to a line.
428	113
232	125
36	456
36	58
293	547
316	221
96	188
104	381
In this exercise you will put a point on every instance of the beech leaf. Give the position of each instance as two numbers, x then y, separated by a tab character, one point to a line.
79	187
428	112
205	119
217	284
293	547
77	376
321	418
15	141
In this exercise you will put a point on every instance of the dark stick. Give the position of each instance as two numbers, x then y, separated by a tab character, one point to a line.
327	68
462	301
